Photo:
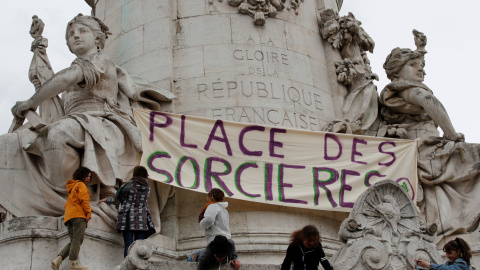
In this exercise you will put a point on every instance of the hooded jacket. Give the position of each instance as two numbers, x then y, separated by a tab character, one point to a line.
78	201
216	221
134	214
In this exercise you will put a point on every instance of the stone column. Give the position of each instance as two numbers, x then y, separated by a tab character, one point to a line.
220	64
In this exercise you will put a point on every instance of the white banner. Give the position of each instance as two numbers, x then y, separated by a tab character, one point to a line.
274	165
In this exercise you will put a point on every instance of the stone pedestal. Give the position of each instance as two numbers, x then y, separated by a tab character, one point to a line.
33	242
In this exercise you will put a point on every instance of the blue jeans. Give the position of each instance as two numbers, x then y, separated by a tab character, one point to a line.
130	236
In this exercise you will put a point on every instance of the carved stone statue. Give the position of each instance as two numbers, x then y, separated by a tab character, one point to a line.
383	231
97	129
448	168
360	105
41	71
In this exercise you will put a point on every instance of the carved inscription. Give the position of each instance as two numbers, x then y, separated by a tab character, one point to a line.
266	55
274	117
260	41
268	96
259	55
260	90
305	104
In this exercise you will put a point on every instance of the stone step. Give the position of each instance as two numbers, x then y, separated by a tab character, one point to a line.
140	252
193	266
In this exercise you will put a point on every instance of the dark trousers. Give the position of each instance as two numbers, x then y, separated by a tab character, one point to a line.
76	231
130	236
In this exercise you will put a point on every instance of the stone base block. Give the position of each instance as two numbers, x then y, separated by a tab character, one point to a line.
33	242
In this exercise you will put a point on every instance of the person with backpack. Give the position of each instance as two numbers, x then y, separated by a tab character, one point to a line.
134	218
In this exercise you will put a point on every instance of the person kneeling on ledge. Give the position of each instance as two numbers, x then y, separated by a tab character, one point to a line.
220	250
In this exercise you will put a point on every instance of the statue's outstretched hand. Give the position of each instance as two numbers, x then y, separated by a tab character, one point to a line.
456	137
20	107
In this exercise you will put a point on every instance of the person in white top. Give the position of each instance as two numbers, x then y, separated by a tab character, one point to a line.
214	217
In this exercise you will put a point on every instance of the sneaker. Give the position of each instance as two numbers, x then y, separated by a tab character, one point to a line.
75	266
56	262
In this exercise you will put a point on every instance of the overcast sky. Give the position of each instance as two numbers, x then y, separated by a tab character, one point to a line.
452	29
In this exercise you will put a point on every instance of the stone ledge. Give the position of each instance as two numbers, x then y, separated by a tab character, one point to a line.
141	251
193	266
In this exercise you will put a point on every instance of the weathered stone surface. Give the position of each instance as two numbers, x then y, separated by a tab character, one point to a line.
188	8
33	242
271	34
190	31
189	63
383	231
131	45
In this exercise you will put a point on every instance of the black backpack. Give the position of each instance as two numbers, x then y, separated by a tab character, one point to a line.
122	192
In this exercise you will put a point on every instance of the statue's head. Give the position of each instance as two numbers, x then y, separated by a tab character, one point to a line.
99	29
398	59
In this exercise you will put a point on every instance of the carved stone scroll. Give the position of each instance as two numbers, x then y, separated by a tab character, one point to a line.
384	232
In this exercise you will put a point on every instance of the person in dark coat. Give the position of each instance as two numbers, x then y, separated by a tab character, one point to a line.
220	250
134	218
305	250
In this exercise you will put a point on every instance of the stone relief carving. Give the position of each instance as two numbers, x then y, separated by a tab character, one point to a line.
448	167
94	128
360	105
260	9
383	231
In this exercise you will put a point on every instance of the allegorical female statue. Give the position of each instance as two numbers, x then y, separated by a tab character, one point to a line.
97	129
448	168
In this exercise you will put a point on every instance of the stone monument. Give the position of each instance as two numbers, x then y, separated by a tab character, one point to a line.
288	63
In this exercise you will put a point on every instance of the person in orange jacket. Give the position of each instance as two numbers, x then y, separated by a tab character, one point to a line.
77	215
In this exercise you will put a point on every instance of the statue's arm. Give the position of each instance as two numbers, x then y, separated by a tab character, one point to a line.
125	82
434	108
56	85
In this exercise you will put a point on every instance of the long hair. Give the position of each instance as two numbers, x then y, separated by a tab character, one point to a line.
140	171
81	173
305	233
216	194
459	244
